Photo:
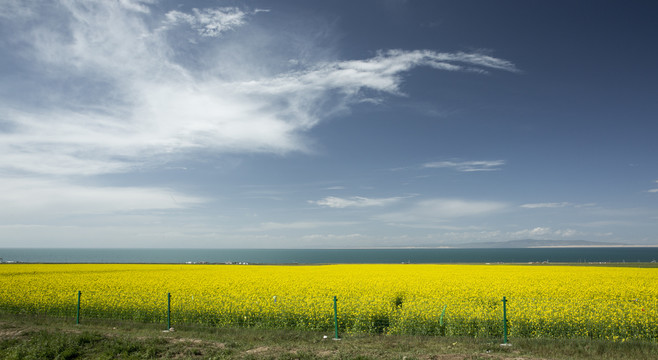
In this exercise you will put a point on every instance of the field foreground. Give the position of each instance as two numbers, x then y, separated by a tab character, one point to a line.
608	303
29	337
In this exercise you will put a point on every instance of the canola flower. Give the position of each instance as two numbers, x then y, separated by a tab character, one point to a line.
556	301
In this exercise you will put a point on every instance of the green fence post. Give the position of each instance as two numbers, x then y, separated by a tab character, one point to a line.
443	313
168	311
336	319
77	316
504	320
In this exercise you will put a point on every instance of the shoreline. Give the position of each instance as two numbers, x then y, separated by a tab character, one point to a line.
536	254
342	248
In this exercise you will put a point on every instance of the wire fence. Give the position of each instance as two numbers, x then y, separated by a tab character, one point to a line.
614	319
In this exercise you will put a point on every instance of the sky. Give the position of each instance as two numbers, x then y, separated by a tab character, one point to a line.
327	124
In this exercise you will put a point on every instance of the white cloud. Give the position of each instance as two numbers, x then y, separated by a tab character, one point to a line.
356	201
208	22
333	236
22	9
128	97
41	197
553	205
546	205
468	166
537	233
453	208
137	5
118	90
428	213
567	233
544	233
300	225
381	73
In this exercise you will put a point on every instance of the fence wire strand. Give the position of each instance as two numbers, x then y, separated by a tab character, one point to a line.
615	319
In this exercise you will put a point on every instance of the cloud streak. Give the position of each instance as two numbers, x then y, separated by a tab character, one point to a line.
554	205
543	233
52	198
355	201
429	213
301	225
467	166
545	205
128	99
535	233
120	86
207	22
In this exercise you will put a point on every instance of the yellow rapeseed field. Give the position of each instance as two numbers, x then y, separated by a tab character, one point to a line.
543	301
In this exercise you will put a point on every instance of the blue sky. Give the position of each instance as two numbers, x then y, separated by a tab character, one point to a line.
321	124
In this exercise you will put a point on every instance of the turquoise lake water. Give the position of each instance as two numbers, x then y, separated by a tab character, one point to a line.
334	256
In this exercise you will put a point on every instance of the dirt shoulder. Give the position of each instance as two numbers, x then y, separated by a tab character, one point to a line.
30	337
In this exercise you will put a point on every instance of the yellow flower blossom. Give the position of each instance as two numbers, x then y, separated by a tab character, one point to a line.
543	301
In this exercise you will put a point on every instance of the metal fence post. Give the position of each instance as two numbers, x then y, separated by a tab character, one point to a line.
336	319
168	311
443	313
77	316
504	320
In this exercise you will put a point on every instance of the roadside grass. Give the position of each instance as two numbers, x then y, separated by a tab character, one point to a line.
33	337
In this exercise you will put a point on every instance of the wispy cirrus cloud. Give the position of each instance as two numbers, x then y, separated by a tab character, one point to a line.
539	232
467	166
52	198
299	225
207	22
536	233
355	201
546	205
113	88
381	72
552	205
453	208
140	100
430	212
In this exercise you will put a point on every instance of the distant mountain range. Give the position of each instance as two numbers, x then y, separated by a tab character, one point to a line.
530	243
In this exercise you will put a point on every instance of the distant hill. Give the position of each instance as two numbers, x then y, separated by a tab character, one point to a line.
530	243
